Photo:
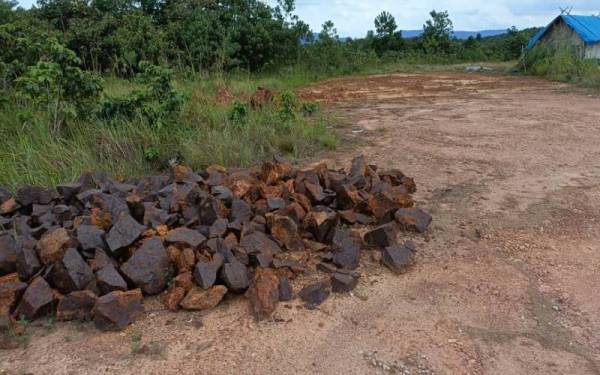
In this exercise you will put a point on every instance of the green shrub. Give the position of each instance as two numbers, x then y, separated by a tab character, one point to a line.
157	102
57	85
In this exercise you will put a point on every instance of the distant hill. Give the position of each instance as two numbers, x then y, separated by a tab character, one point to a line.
457	34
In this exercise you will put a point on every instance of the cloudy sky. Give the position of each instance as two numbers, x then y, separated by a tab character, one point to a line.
354	17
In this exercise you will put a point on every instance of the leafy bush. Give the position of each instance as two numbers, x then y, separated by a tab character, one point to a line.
59	86
156	103
288	103
310	108
238	113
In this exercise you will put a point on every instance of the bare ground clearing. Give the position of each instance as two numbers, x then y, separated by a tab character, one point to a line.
506	282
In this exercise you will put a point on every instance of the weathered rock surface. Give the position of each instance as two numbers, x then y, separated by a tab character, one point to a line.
315	294
205	273
343	282
200	299
108	279
77	305
413	219
52	246
396	258
264	293
382	236
149	267
116	310
36	301
123	233
235	275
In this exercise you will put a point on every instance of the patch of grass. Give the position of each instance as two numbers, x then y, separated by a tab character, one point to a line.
135	342
206	132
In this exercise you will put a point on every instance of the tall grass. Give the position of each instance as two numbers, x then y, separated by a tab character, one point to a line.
201	135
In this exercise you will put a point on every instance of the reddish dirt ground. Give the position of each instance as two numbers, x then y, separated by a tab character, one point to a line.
506	282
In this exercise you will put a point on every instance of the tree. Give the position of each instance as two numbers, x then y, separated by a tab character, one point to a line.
437	33
387	38
385	24
515	43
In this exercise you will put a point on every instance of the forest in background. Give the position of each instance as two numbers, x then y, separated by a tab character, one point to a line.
130	86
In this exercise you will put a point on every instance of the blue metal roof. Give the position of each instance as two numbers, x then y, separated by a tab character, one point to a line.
587	27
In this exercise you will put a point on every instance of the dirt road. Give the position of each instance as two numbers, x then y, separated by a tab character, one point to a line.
506	282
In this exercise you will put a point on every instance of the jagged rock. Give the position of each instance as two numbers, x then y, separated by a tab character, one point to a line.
4	195
116	310
11	289
28	263
52	246
321	222
90	237
205	273
342	282
222	193
396	258
285	230
264	293
382	236
200	299
315	294
209	210
240	211
186	237
235	275
413	219
68	191
172	297
108	279
123	233
9	206
274	204
259	243
219	228
9	250
149	267
346	253
36	301
71	273
77	305
154	216
29	195
286	293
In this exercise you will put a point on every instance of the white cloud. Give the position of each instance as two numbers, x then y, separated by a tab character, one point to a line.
355	17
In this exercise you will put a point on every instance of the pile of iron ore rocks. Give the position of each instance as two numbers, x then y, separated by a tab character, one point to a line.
92	249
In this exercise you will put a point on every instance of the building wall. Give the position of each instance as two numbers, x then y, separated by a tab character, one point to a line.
592	51
561	36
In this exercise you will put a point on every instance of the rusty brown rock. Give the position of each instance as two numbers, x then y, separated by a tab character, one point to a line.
52	246
285	230
264	293
9	206
11	289
77	305
321	222
172	297
413	219
36	301
200	299
116	310
184	280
